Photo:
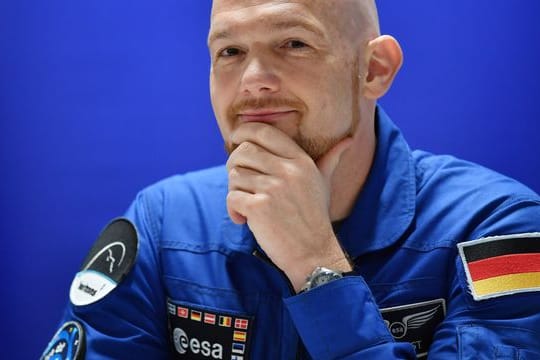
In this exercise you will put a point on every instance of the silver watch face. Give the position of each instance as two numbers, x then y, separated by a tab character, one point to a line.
324	276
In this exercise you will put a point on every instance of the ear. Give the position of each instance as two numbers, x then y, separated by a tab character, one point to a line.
384	60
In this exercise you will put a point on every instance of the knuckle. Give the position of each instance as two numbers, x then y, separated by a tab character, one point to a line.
234	173
290	170
231	162
231	197
274	185
246	146
256	203
234	198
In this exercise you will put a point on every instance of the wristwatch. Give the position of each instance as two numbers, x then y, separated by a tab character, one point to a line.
320	276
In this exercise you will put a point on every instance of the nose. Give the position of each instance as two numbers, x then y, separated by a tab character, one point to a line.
259	77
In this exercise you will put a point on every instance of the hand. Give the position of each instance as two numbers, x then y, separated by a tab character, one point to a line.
284	196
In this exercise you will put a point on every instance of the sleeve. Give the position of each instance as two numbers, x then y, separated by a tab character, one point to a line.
495	313
131	319
341	320
357	328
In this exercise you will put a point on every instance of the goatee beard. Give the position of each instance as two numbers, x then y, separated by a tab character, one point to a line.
315	147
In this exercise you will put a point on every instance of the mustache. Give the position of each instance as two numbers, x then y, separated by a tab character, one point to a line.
263	103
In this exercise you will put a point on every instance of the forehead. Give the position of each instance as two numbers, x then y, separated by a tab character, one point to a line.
231	5
251	13
354	20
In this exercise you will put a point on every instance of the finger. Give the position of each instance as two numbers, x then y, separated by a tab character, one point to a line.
235	199
244	179
242	205
252	156
328	163
254	182
269	137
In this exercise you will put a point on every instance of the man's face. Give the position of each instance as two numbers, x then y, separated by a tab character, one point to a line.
285	63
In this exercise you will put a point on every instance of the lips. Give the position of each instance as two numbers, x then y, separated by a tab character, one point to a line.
265	115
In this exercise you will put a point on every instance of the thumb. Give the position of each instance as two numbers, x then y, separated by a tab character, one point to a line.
329	161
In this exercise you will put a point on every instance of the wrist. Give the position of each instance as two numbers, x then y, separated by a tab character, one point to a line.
343	265
332	258
321	276
329	271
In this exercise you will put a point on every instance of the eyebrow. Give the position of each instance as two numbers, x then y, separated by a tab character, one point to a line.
288	24
280	25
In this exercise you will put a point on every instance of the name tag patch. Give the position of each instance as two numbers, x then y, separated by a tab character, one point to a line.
415	323
203	333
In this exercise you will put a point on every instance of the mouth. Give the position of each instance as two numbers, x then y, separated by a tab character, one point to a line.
266	115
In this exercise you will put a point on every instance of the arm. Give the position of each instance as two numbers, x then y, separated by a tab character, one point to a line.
130	318
340	320
502	322
284	196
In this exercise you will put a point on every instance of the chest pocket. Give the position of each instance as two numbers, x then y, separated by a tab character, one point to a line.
412	310
223	304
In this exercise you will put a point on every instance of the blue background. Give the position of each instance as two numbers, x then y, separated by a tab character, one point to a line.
99	99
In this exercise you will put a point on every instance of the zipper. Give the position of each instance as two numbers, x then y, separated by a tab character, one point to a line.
262	256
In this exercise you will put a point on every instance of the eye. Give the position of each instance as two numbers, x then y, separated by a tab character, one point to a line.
229	52
295	44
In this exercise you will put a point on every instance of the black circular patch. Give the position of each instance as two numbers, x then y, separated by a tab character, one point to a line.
67	344
109	261
114	252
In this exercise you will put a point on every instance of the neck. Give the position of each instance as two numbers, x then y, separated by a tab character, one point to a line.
353	169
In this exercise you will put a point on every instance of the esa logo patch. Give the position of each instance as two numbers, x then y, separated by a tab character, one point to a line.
109	261
67	344
415	323
206	334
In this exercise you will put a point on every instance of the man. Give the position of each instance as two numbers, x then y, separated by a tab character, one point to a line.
324	236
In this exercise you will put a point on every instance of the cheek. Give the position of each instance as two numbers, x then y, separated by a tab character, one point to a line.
221	100
223	84
222	93
332	103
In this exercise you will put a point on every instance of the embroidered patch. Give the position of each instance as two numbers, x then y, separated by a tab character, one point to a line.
109	261
67	344
415	323
202	333
502	265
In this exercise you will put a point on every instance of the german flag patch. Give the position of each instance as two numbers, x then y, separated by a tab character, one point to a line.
502	265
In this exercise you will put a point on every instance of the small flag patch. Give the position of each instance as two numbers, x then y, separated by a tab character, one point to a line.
502	265
238	348
183	312
196	315
209	318
225	321
239	336
241	324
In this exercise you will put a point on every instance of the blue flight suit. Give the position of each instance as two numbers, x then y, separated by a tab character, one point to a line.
402	235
